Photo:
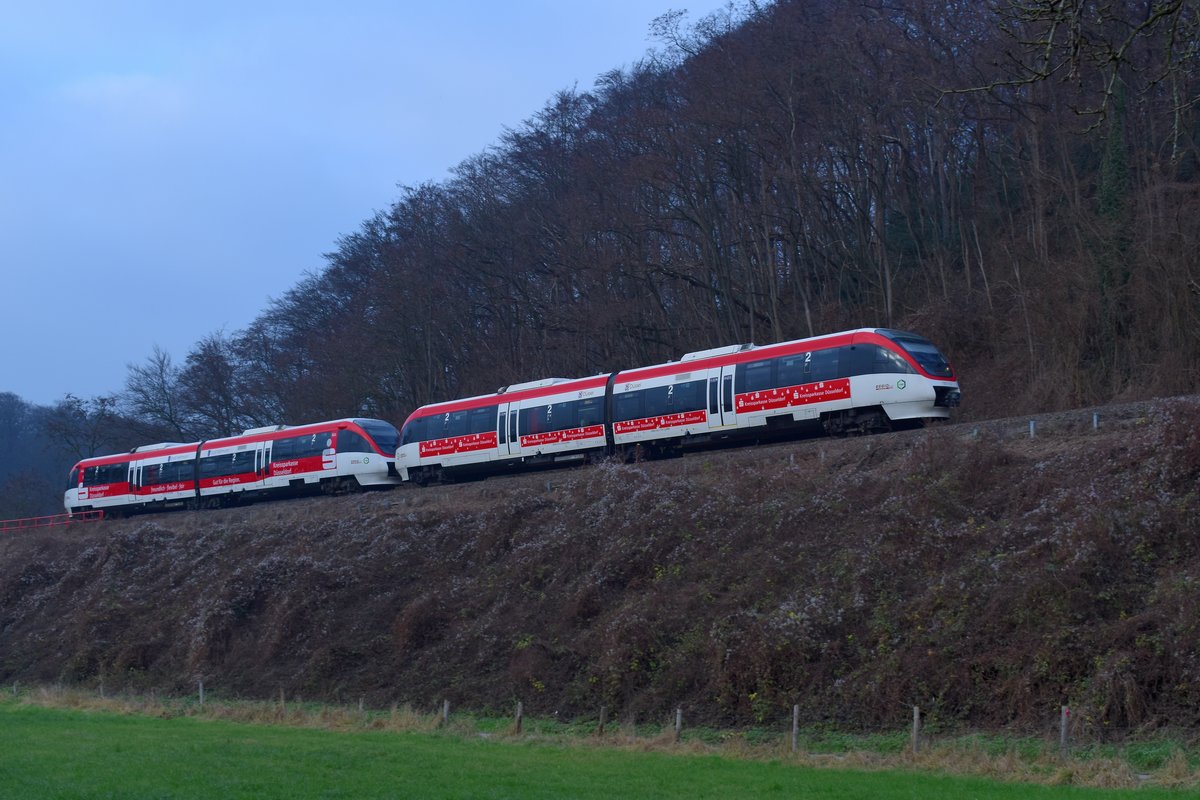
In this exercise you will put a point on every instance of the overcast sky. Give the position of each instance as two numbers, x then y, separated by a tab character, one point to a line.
166	168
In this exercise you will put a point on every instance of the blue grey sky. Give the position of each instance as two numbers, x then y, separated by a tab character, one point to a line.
166	168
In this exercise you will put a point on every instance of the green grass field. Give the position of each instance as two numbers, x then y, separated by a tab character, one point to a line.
70	753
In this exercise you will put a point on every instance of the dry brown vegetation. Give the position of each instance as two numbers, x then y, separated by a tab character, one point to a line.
970	570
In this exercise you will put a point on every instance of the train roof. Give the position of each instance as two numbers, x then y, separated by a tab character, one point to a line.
737	354
251	436
512	394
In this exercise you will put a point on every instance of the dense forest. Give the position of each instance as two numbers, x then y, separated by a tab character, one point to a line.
1018	181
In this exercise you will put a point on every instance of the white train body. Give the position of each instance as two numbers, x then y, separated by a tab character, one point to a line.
338	454
862	380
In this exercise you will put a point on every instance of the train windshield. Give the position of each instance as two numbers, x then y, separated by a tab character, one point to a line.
923	351
384	434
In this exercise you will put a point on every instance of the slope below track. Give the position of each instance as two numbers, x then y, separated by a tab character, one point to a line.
986	576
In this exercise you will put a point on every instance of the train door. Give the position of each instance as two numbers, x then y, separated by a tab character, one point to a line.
265	465
135	480
721	410
508	443
262	464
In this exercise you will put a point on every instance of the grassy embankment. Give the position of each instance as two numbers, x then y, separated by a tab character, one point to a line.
72	745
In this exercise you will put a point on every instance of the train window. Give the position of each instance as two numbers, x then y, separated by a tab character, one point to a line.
824	365
502	428
306	446
212	466
794	370
559	416
470	421
73	479
712	396
281	450
628	405
856	359
424	429
591	412
483	420
171	472
349	441
886	361
178	471
688	396
106	474
657	401
756	376
928	356
458	423
384	434
533	420
221	466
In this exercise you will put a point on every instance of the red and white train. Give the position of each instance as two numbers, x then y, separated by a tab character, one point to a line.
335	455
870	379
865	380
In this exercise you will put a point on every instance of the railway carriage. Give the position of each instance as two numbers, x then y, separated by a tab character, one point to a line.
859	381
540	422
331	456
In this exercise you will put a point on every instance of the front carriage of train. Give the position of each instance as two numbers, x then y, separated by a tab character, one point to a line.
366	449
922	385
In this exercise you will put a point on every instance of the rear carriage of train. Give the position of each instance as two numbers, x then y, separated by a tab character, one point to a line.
546	421
261	461
118	482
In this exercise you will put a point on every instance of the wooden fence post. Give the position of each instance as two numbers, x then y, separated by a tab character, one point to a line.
520	715
603	719
202	694
916	730
795	727
1064	724
678	723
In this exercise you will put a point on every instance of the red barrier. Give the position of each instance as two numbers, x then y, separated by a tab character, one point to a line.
13	525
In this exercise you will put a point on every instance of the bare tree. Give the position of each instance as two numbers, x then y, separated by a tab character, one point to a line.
84	428
152	396
211	387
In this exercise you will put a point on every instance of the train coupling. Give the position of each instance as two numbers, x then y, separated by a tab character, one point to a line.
947	396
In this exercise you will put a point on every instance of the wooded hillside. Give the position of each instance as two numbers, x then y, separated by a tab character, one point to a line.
808	167
1020	182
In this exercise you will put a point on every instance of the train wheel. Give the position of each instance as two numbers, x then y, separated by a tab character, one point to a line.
427	476
855	422
335	486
